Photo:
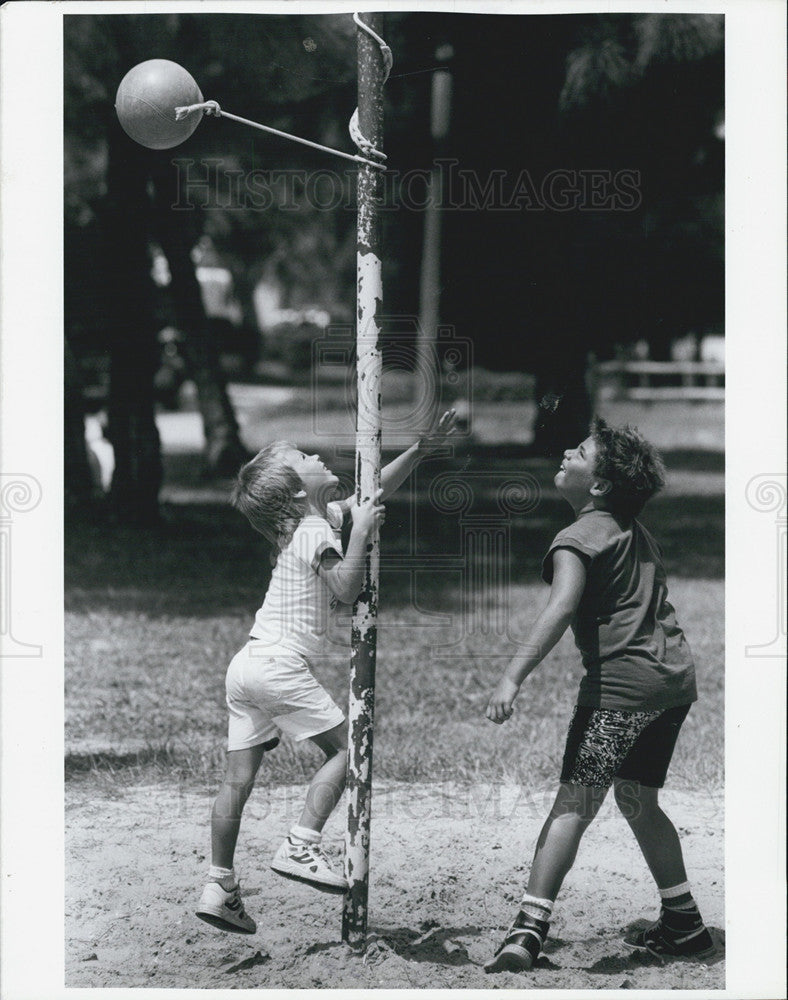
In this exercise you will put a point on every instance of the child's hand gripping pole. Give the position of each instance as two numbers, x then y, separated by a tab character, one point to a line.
369	515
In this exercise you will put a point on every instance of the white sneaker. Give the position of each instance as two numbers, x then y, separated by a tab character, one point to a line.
224	909
306	862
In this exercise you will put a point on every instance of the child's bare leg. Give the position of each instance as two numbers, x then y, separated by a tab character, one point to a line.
221	904
328	783
301	857
680	929
654	832
574	808
242	768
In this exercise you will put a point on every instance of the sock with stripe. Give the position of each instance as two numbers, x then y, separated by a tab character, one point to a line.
680	929
680	916
532	923
305	835
520	948
677	896
534	906
224	876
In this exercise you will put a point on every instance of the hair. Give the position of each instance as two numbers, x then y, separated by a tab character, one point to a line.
631	464
265	492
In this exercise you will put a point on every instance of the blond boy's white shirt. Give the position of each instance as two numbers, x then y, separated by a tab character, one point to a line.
298	611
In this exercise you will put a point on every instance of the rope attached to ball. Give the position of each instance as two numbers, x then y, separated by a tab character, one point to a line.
151	104
372	157
213	108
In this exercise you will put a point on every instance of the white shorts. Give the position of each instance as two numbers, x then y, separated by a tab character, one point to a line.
270	689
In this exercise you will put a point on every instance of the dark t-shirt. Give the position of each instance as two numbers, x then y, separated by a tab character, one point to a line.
635	655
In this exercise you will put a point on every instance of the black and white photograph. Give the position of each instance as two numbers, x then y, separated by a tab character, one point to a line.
393	508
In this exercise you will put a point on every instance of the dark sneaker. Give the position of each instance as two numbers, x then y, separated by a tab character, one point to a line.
521	946
224	909
677	935
306	862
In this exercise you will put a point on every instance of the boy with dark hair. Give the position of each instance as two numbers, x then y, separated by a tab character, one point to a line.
608	583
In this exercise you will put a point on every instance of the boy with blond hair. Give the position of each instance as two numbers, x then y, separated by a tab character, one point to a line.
271	686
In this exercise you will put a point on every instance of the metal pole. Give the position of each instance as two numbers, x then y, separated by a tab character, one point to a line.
430	278
361	706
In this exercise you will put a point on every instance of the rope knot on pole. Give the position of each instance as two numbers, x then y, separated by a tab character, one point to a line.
367	147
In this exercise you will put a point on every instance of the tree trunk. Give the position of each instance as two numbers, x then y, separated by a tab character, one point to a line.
177	237
79	486
131	334
245	280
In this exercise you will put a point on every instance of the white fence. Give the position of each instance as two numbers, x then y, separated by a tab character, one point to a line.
658	381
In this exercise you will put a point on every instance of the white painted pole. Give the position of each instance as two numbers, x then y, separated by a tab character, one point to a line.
371	76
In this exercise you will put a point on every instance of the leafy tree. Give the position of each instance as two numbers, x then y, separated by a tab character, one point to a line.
534	288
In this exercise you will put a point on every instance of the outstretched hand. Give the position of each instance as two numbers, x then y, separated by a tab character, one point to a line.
445	427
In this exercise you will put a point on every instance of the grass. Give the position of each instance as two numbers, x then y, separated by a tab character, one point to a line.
153	617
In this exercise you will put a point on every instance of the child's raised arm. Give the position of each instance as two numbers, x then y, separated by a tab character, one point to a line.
393	475
397	471
569	578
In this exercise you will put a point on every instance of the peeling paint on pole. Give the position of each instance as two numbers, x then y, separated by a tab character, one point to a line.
361	705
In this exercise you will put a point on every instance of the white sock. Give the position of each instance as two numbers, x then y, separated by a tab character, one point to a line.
539	909
305	834
224	876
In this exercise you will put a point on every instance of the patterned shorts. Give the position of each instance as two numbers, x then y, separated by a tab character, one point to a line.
603	744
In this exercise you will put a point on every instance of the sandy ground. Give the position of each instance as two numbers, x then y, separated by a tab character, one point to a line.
448	864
